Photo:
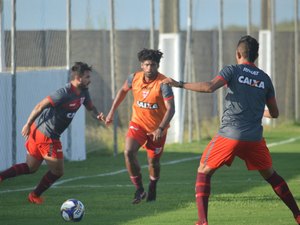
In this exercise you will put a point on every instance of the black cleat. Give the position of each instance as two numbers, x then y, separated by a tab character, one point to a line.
151	195
139	195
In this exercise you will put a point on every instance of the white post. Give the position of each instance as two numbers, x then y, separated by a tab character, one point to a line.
112	72
171	66
221	90
14	81
2	36
296	18
265	58
249	17
170	45
152	29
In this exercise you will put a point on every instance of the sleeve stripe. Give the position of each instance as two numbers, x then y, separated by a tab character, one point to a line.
51	101
271	99
168	98
222	78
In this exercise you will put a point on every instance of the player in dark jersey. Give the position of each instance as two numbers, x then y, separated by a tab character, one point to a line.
46	123
249	89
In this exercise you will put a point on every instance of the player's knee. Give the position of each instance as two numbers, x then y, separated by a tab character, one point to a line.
58	172
154	163
32	168
129	154
205	169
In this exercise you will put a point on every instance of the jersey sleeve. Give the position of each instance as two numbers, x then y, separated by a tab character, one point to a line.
227	73
166	91
57	97
271	91
129	80
88	101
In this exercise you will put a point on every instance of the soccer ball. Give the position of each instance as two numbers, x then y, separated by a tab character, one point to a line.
72	210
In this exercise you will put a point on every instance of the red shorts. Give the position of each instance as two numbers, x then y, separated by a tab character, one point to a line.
222	151
154	149
38	145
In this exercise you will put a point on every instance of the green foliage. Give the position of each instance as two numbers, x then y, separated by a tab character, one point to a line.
102	184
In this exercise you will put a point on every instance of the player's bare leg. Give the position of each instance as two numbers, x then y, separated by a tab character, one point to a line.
33	163
134	169
56	169
30	166
202	188
154	173
282	190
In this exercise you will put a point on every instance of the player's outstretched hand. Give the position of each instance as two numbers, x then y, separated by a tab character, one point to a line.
25	131
169	81
109	119
101	117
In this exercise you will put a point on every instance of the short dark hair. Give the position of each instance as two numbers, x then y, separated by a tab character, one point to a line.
150	54
79	68
248	47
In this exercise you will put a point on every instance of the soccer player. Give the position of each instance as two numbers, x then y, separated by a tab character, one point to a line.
152	110
46	123
249	89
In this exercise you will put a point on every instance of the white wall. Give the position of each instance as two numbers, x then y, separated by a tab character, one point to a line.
5	121
32	87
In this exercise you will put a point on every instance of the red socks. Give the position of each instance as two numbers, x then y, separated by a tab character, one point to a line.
137	181
48	179
15	170
281	188
202	189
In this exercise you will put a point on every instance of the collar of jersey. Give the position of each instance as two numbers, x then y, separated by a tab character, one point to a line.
74	89
249	63
151	81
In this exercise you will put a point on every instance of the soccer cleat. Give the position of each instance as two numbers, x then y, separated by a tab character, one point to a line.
151	196
297	218
33	198
139	195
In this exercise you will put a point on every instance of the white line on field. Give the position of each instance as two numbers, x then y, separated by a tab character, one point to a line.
284	142
144	166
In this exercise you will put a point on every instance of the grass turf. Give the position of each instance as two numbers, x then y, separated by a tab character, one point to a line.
102	184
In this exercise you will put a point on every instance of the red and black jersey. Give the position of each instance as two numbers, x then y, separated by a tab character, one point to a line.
64	104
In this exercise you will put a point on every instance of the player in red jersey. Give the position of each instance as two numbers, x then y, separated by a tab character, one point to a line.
249	89
46	123
152	110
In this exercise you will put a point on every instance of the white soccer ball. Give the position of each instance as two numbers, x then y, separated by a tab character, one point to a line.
72	210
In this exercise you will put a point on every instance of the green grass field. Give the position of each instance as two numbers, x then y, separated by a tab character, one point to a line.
102	184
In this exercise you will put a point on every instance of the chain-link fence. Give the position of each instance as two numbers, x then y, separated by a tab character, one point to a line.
43	46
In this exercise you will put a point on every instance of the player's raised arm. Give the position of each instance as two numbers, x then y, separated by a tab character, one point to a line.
206	87
117	101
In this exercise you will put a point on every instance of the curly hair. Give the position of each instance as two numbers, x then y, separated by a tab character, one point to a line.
150	54
79	68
